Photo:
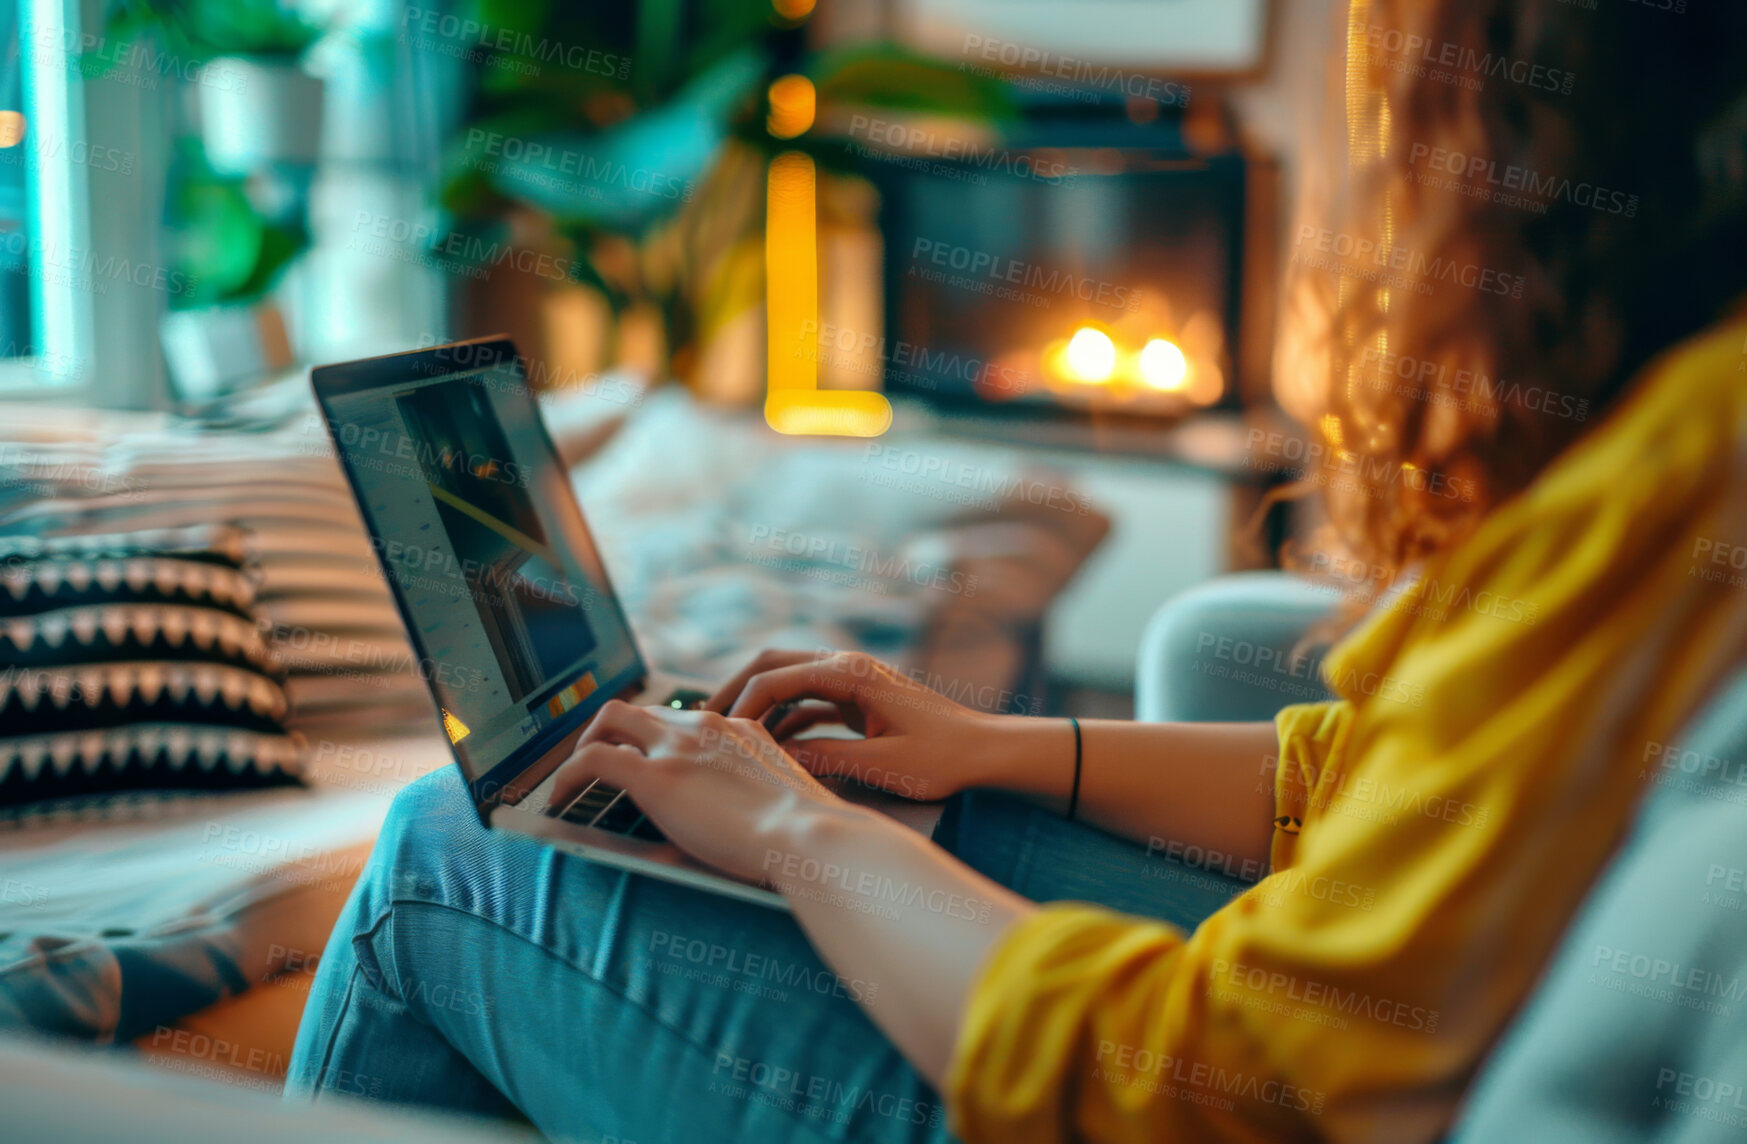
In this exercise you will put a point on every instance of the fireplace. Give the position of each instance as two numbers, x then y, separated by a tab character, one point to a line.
1089	279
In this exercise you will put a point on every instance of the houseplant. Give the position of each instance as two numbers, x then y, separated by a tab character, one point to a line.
236	203
244	58
640	163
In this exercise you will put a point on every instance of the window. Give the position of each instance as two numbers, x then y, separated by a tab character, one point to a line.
38	309
77	203
15	230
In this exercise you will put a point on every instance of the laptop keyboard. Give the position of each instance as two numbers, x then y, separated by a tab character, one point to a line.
607	808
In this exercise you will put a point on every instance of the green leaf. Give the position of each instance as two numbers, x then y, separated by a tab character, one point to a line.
217	240
216	237
524	15
625	178
280	246
195	31
890	76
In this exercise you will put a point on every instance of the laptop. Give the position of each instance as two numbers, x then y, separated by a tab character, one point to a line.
505	600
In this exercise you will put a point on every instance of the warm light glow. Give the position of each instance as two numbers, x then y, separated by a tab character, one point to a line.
11	128
792	102
832	412
791	260
1163	366
457	730
1091	355
793	9
795	404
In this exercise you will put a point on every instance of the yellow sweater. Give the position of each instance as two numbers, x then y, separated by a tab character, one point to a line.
1440	823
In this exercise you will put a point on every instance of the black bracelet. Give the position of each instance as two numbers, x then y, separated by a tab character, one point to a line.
1074	799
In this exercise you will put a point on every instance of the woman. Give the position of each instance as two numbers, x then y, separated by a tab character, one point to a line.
1542	461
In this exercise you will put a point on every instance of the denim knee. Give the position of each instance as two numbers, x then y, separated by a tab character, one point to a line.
434	849
422	854
426	819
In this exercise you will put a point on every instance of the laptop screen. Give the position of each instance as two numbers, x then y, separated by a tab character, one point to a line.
475	524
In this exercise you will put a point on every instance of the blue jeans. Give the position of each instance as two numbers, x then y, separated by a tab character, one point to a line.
481	971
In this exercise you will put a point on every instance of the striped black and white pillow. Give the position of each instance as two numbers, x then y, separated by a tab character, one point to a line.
331	620
136	661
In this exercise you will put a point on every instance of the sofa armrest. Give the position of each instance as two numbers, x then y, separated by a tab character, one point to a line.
52	1093
1222	651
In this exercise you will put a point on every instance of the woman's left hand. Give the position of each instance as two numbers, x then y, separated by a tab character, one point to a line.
900	910
719	788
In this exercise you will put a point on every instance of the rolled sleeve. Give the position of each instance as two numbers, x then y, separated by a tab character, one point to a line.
1311	761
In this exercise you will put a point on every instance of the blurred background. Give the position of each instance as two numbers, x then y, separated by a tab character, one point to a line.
1039	208
1058	229
940	330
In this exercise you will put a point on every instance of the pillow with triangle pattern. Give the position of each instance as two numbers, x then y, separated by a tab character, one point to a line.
136	661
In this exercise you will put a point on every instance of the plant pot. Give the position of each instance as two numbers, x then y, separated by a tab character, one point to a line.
258	113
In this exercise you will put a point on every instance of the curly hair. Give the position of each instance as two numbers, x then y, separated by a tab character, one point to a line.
1539	196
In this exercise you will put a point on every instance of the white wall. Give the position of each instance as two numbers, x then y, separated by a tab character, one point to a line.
1168	533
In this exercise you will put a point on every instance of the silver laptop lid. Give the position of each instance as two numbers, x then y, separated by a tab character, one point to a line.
518	633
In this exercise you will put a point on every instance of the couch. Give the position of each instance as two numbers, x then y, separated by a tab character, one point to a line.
1590	1058
191	926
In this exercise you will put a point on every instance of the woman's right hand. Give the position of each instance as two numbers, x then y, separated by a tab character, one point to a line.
917	743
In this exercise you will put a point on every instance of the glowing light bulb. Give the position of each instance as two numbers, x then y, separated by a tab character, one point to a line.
1091	355
1163	366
